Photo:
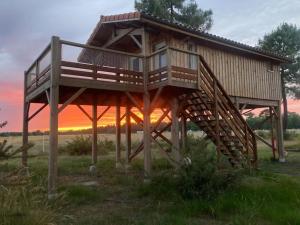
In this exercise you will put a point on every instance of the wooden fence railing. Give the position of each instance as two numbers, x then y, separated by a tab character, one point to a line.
39	71
228	112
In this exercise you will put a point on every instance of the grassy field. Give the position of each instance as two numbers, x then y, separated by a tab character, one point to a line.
268	196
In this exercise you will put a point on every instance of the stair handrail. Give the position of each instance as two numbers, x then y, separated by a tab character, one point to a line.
206	66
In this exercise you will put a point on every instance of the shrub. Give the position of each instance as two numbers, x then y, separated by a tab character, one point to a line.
79	145
82	145
106	146
200	179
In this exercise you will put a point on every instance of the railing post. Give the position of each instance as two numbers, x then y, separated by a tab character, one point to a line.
54	100
247	146
37	72
216	115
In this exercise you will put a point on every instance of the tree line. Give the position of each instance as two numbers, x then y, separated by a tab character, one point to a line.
255	122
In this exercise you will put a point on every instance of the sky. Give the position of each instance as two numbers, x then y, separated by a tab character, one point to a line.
27	26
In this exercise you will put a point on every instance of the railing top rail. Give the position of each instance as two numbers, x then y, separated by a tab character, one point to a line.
157	52
41	55
84	46
185	51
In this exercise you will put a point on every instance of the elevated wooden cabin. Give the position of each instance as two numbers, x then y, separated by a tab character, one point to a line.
136	60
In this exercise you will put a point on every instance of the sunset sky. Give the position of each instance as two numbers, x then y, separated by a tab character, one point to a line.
27	26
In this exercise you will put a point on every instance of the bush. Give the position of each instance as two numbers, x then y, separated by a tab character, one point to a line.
200	179
81	145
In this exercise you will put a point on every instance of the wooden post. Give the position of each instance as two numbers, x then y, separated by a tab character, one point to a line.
54	99
272	132
118	134
175	130
183	132
128	134
279	133
146	109
26	106
147	137
94	136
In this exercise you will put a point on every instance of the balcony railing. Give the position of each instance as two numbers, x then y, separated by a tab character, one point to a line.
79	61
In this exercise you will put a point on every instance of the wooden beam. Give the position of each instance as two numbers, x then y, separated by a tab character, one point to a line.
250	110
128	133
264	141
118	134
85	112
279	132
37	111
53	133
272	132
175	130
123	116
122	34
71	99
183	132
26	106
136	41
165	154
94	134
156	96
47	96
164	110
135	103
102	114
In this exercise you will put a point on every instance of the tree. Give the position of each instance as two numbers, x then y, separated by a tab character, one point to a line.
179	11
285	40
196	17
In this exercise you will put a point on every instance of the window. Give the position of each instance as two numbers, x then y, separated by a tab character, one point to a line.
192	59
160	59
135	64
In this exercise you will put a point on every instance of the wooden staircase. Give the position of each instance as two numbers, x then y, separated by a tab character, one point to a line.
213	111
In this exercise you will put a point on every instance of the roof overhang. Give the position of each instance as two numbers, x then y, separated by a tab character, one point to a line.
105	22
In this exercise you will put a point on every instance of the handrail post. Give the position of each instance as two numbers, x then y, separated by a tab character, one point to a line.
216	115
54	100
247	146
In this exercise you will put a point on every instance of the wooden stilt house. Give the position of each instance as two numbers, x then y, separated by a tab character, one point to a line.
136	60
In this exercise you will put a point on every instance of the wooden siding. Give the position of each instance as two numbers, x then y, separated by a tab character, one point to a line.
240	75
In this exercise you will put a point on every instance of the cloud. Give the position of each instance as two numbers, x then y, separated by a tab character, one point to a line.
27	26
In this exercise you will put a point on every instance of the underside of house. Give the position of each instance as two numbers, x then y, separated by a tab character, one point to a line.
144	63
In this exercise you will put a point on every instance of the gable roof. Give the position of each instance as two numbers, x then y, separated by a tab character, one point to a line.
148	18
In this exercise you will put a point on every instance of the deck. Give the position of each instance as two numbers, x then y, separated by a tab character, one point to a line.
94	68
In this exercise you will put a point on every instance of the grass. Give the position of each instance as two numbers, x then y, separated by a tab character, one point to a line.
113	197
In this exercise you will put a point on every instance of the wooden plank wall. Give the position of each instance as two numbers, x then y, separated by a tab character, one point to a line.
240	75
243	76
